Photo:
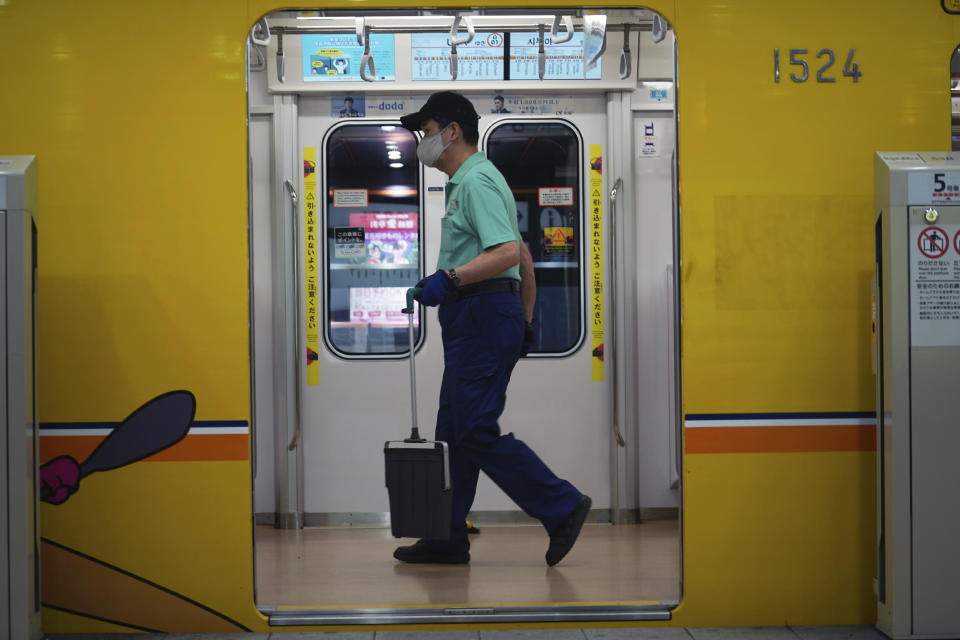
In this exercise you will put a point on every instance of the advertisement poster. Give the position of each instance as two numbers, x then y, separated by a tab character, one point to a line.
389	238
349	106
378	305
333	57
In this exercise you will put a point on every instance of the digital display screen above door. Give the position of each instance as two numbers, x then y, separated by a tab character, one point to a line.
483	57
479	59
563	61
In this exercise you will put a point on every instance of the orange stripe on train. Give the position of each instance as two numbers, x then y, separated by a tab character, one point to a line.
781	439
194	447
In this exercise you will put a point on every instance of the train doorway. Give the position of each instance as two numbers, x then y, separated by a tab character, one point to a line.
349	219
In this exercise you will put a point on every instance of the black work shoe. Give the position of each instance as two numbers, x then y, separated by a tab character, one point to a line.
561	540
422	552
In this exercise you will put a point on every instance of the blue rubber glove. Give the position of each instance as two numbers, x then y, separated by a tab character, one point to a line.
435	288
528	338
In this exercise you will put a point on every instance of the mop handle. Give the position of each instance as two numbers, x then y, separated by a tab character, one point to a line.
414	433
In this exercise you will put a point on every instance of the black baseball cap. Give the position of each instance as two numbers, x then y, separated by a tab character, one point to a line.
444	106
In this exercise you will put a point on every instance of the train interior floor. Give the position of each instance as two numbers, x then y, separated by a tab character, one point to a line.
354	568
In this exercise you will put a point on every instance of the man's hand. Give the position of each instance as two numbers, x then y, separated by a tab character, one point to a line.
528	338
435	288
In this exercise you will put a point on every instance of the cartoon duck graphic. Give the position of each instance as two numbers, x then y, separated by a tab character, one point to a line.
80	584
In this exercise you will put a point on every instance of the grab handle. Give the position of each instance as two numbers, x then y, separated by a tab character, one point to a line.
594	40
454	38
568	29
292	191
260	34
281	59
366	60
360	24
610	351
625	53
541	55
659	31
454	67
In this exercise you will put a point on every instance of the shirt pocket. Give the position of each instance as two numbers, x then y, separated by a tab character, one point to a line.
446	239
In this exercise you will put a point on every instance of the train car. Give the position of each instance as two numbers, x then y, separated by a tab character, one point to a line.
223	245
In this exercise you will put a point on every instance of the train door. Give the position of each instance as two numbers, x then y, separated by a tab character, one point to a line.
369	246
355	220
558	399
377	232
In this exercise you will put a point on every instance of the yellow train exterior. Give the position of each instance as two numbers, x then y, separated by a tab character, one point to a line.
137	113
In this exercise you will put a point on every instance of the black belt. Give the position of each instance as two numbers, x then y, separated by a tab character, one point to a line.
494	285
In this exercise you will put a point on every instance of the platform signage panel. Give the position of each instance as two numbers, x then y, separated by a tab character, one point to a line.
479	59
933	187
935	285
563	61
336	57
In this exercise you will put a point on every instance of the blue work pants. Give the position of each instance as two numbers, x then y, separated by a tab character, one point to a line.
482	337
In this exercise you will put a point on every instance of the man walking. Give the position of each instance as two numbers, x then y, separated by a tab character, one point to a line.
483	305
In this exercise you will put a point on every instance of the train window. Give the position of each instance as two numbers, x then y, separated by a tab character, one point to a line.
541	161
372	235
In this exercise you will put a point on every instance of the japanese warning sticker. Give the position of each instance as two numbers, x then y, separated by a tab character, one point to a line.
558	241
555	196
935	285
349	242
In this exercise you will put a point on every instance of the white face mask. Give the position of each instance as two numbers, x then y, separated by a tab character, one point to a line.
431	148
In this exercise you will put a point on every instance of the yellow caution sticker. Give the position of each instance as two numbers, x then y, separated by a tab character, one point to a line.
596	261
310	264
558	241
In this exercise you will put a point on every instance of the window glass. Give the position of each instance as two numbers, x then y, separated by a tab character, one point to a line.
541	162
372	223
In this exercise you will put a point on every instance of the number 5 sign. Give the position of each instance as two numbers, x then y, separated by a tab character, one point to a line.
933	187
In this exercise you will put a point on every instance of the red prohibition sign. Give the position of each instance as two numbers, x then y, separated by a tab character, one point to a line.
933	242
956	241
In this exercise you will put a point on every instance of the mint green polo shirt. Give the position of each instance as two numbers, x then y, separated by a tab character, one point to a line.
480	213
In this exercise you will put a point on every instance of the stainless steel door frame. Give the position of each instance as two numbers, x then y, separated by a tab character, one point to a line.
20	561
